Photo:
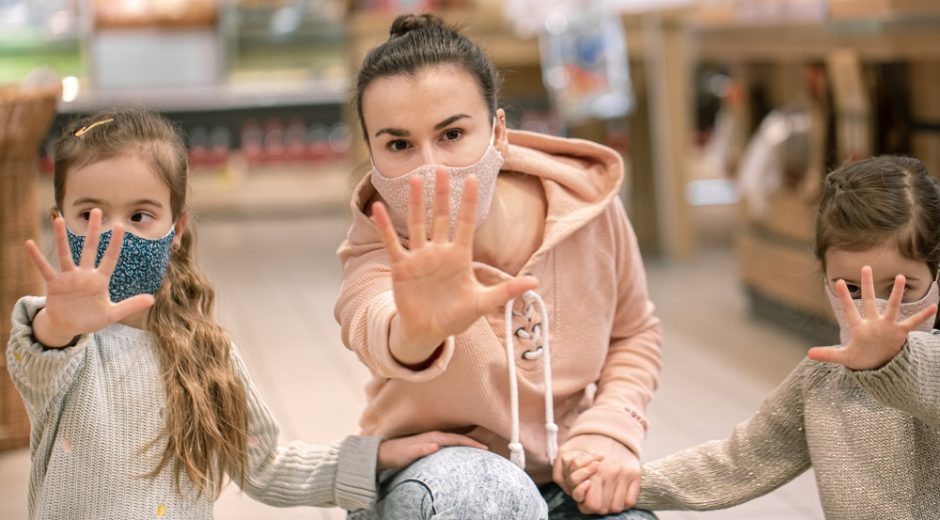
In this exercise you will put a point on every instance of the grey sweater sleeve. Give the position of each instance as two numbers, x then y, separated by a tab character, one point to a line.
764	452
342	474
42	375
911	381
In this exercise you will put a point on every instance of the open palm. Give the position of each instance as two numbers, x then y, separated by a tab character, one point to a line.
436	292
876	337
77	297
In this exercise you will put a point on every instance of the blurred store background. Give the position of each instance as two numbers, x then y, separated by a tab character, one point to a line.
727	112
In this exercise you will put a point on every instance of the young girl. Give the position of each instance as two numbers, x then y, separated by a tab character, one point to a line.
138	401
865	415
491	283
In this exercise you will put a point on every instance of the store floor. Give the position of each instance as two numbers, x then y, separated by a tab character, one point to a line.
277	281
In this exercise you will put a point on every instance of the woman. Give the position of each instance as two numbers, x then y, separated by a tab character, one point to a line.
509	216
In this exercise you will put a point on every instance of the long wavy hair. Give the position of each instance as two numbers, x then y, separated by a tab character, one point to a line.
206	413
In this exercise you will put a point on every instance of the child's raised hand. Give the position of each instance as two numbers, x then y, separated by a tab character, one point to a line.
876	338
399	453
77	297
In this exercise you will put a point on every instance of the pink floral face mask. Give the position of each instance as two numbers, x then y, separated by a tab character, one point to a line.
395	190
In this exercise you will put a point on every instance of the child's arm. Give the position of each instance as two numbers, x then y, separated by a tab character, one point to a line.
764	452
49	335
911	380
897	366
342	474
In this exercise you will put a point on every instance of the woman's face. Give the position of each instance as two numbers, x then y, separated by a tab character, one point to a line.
437	116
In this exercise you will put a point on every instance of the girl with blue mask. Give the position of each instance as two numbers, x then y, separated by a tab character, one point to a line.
139	403
865	414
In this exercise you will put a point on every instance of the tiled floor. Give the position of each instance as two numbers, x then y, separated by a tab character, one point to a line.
277	281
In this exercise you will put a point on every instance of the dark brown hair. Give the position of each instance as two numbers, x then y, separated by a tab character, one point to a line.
206	412
417	42
869	202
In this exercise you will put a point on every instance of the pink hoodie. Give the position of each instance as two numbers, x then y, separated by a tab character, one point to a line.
591	277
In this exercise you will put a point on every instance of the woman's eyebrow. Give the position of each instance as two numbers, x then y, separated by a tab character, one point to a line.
397	132
449	121
400	132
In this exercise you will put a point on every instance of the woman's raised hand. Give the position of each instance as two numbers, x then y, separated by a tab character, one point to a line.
77	297
436	292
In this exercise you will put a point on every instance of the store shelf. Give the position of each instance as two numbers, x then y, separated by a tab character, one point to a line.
215	98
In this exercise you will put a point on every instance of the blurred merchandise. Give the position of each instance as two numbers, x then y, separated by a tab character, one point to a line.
584	62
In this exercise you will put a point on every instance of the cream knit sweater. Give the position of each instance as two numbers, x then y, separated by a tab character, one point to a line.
95	406
872	438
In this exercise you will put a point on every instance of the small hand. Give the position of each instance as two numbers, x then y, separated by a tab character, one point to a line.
77	297
399	453
876	338
614	485
436	292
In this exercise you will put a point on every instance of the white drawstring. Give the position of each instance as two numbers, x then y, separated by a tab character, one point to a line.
516	450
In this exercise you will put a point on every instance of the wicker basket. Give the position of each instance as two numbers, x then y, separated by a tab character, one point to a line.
25	116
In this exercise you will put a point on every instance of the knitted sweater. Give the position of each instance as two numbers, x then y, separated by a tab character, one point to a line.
872	437
94	408
602	327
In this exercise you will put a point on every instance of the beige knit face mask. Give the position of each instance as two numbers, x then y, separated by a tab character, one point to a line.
395	190
906	310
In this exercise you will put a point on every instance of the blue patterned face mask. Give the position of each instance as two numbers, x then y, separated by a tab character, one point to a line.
140	267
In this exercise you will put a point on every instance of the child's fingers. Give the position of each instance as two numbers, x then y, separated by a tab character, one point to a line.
132	305
829	354
845	299
618	501
868	294
583	473
113	252
633	493
894	299
92	237
46	270
915	320
580	492
62	249
387	232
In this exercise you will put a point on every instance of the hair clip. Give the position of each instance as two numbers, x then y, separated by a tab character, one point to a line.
85	129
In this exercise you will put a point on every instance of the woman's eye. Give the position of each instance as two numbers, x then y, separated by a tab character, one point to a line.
453	134
141	217
397	146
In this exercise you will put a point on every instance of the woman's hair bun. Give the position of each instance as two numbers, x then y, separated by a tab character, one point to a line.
406	23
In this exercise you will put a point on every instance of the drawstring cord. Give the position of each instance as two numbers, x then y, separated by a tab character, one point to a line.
516	450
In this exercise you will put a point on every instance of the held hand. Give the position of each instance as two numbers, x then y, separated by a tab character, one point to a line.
399	453
77	298
876	338
436	292
615	484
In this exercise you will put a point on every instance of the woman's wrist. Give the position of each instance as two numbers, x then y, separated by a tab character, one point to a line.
409	349
48	334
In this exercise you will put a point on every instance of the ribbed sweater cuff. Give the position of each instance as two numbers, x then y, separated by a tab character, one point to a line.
382	310
356	472
46	365
894	381
622	426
